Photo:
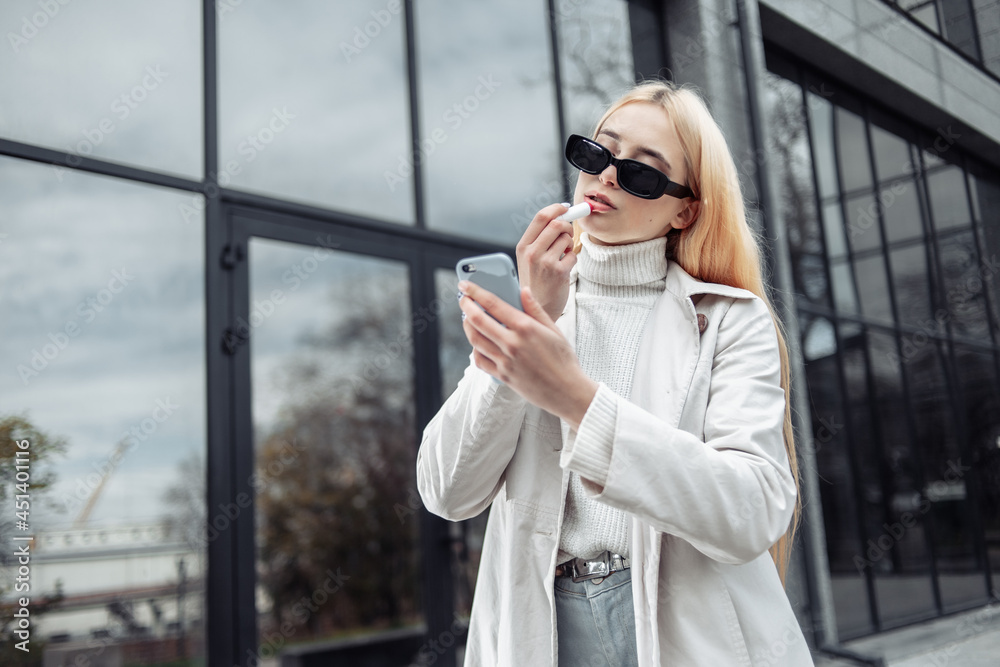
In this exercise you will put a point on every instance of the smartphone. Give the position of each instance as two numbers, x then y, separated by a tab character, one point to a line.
494	272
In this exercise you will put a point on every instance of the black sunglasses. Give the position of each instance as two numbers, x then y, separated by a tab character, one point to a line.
634	177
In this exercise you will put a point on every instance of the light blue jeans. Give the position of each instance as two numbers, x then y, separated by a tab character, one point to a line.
595	623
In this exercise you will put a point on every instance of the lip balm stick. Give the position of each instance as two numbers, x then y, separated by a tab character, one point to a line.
581	210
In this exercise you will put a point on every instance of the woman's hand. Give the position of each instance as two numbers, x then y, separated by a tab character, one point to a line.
530	355
545	257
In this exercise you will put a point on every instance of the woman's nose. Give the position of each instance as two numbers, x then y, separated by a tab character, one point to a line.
609	176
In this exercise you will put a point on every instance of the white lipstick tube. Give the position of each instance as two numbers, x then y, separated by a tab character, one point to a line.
581	210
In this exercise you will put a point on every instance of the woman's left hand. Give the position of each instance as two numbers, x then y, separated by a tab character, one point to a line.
531	355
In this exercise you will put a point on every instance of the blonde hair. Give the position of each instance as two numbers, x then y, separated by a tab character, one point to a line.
719	246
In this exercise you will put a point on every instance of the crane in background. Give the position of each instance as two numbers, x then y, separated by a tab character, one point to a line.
113	462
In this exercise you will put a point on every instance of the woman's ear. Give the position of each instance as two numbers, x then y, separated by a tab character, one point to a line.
688	215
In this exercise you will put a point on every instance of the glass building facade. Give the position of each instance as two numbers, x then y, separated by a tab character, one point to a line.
892	237
228	309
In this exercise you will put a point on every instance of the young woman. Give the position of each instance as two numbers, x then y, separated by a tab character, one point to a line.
639	454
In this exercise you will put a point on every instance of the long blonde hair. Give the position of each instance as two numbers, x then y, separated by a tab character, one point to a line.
719	246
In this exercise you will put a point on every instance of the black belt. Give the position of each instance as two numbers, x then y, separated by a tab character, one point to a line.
582	569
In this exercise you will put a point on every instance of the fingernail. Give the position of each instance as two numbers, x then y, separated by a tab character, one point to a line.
463	285
566	204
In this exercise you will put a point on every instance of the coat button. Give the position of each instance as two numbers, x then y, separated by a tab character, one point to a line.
702	323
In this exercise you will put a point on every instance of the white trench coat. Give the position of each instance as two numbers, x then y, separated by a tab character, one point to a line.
698	461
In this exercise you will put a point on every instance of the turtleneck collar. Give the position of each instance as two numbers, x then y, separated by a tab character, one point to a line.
629	264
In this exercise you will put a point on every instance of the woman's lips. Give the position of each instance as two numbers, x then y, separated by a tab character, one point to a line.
598	203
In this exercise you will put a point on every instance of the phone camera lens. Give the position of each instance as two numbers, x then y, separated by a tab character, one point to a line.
469	268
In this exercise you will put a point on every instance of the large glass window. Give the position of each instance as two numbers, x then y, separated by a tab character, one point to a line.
103	327
488	117
313	104
111	79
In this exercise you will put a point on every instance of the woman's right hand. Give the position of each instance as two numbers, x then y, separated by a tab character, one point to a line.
545	258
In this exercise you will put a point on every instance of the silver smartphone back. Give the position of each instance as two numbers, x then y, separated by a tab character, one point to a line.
494	272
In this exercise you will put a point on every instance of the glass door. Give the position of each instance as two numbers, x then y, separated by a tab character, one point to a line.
328	331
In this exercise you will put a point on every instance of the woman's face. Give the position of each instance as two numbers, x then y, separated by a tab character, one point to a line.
640	131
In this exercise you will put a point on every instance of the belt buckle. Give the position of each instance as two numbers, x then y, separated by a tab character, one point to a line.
592	569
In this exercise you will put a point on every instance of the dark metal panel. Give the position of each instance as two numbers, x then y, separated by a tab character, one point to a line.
221	585
649	40
241	532
414	96
223	635
263	207
553	18
435	541
71	161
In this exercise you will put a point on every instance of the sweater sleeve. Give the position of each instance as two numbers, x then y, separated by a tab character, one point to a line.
589	453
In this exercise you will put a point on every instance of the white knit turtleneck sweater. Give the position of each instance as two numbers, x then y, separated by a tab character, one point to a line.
615	292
